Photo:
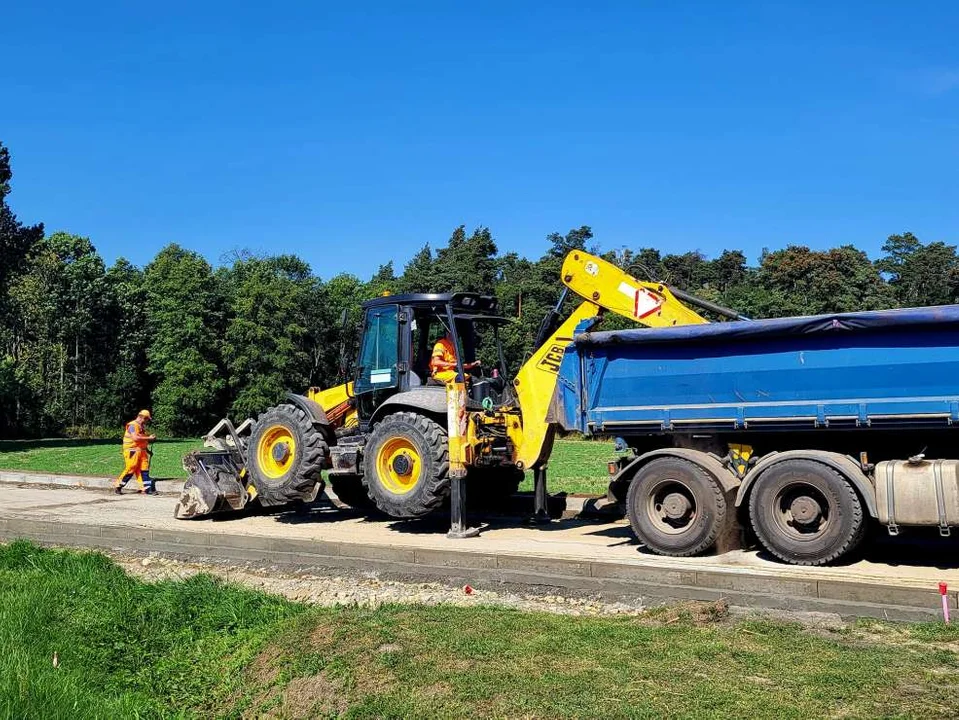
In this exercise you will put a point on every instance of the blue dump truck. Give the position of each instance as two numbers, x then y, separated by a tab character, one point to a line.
805	429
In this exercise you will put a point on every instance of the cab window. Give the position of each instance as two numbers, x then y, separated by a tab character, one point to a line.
378	355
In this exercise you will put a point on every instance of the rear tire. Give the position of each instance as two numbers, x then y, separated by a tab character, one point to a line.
406	465
675	507
806	513
285	455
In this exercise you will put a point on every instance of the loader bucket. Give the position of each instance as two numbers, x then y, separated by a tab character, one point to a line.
214	485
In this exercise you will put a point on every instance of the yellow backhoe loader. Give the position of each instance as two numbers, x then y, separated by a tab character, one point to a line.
396	438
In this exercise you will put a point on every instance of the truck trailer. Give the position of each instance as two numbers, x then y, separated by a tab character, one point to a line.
804	429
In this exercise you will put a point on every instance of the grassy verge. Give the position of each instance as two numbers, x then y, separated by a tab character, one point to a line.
199	648
576	466
90	457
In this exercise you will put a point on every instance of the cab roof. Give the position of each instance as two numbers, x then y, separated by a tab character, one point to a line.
463	303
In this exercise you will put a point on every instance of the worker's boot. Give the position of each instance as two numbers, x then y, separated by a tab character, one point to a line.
117	490
150	486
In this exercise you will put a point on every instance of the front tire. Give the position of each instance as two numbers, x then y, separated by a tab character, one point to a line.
285	455
675	507
406	465
806	513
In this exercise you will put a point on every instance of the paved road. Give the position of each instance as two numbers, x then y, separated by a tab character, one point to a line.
897	579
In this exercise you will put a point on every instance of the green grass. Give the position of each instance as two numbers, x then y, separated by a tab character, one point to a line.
576	466
201	648
90	457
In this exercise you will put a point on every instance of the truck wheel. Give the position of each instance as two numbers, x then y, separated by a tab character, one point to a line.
286	454
406	465
350	490
806	513
675	507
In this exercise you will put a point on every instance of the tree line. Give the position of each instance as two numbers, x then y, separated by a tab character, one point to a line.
84	345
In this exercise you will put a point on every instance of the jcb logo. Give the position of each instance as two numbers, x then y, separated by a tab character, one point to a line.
552	359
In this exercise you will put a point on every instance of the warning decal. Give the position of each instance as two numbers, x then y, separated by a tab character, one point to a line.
644	302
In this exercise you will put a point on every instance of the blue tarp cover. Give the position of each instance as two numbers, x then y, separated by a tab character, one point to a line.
877	321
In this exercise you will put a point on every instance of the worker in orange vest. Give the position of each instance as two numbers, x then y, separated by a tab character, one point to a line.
136	454
443	361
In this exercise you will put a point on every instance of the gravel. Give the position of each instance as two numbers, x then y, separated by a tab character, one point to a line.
369	589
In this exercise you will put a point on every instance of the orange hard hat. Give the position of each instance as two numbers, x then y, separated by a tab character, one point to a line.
146	414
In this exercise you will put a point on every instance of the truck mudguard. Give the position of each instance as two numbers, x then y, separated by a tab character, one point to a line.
707	461
843	464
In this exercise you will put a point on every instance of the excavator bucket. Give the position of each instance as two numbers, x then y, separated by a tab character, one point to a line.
217	475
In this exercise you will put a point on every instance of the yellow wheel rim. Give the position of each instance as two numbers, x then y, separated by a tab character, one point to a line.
276	451
398	465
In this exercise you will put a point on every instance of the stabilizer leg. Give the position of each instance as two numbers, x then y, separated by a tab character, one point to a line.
458	527
540	498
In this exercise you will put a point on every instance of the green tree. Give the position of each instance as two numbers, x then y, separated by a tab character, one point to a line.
527	291
128	387
920	274
82	298
729	270
689	271
645	263
266	348
38	355
333	340
800	281
16	239
524	301
16	242
418	273
60	301
467	263
186	323
384	280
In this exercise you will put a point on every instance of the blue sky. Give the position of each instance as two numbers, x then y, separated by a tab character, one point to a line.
353	133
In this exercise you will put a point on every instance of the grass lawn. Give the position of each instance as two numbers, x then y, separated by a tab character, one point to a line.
577	466
201	648
90	457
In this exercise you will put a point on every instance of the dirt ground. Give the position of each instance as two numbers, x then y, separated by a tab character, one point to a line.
369	589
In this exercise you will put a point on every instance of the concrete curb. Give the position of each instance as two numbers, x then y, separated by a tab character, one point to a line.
610	579
87	482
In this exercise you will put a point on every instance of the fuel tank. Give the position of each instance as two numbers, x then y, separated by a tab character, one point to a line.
918	492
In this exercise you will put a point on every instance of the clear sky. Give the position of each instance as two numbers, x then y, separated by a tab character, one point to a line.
353	133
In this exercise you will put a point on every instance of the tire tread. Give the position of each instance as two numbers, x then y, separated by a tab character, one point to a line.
714	530
437	482
849	543
310	442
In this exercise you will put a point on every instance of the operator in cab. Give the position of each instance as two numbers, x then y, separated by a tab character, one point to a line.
136	454
443	361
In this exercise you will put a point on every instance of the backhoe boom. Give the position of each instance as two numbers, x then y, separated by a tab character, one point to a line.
603	287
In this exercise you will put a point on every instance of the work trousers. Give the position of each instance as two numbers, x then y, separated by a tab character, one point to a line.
136	463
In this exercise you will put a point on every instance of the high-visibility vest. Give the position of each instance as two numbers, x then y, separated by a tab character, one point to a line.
132	429
443	350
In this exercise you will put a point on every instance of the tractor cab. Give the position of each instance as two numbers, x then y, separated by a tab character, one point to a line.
396	345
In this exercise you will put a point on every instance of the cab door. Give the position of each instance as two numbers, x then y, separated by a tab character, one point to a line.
377	375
